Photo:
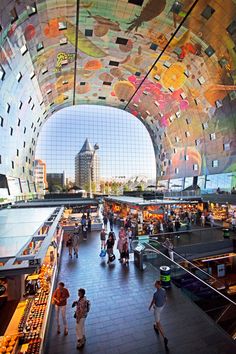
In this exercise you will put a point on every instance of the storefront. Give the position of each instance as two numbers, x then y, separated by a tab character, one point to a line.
28	269
145	212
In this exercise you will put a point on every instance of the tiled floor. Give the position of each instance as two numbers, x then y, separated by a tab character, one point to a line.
119	321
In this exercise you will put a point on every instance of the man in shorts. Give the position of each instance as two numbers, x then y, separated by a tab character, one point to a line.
158	302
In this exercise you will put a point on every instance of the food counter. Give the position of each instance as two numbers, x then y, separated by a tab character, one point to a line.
26	330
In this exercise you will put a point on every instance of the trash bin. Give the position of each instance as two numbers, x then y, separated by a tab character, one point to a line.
226	233
138	256
165	276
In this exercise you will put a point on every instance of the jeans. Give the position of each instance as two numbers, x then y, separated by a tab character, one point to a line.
61	309
80	328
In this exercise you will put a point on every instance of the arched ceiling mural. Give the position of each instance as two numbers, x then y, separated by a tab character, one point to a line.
170	63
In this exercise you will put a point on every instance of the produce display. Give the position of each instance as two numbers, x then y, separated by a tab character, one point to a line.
8	344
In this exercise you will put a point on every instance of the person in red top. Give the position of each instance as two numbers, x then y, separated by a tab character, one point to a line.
59	298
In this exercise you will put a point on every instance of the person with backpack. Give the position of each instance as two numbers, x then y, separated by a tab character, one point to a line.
81	312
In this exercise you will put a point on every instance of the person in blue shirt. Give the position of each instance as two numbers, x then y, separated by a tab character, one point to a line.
158	302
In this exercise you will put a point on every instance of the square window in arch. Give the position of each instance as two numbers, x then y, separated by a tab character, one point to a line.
207	12
232	28
136	2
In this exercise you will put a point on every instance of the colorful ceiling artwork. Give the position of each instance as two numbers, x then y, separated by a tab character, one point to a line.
172	64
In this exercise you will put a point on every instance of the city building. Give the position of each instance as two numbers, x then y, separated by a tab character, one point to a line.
87	168
40	175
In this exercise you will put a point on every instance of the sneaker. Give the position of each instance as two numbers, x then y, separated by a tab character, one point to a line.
65	332
165	342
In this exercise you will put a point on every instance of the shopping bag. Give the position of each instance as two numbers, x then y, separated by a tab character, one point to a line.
102	253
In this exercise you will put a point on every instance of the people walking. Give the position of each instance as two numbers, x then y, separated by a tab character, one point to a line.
103	235
89	224
105	220
85	232
158	302
121	240
109	245
203	220
125	252
169	246
69	244
111	220
80	315
129	235
59	298
75	240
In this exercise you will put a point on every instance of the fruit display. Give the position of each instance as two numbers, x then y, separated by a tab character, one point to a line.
8	344
24	317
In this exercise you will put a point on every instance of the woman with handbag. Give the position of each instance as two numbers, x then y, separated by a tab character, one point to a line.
109	245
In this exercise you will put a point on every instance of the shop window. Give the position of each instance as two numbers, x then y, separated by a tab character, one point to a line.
187	73
138	73
101	97
188	120
51	104
195	167
153	46
63	41
88	32
114	63
177	114
207	12
34	129
226	146
201	80
171	119
48	91
122	41
13	15
0	159
218	103
136	2
41	103
17	152
186	157
167	64
82	83
32	107
209	51
62	26
32	125
29	150
212	136
2	73
176	170
232	28
8	108
197	142
26	159
23	169
204	126
12	165
64	82
171	89
29	100
183	95
197	101
19	77
187	134
157	77
24	143
65	98
215	163
19	121
23	49
20	105
177	139
0	28
32	75
176	7
44	70
24	130
162	173
39	46
31	9
174	151
1	121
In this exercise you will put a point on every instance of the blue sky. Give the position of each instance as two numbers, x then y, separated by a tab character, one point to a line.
125	147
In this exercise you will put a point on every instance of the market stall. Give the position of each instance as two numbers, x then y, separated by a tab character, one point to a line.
33	270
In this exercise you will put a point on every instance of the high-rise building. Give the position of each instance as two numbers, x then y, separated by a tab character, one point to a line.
87	167
40	175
